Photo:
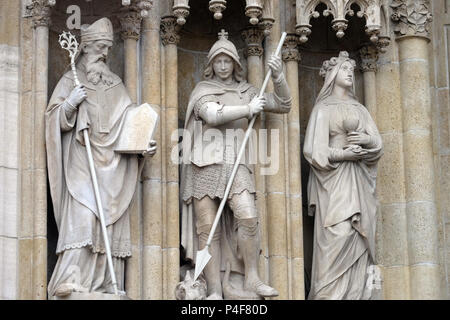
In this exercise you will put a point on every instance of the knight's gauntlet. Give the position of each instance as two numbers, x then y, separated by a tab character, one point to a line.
282	96
216	114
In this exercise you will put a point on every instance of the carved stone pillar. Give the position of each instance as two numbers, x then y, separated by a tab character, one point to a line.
253	38
40	12
392	237
170	39
152	195
291	57
276	183
412	24
130	20
369	57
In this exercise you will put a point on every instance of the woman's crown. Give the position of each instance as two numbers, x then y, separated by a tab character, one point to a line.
328	65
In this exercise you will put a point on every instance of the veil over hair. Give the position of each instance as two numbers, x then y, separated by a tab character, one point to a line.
329	71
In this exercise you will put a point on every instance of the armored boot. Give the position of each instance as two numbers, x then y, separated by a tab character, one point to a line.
248	241
212	268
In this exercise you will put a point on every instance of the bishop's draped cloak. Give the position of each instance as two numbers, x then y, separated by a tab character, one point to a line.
74	204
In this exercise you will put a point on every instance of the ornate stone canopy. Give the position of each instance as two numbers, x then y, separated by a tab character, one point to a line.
40	10
258	11
375	13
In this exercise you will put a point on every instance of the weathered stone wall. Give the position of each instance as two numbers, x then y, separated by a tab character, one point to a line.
439	52
9	142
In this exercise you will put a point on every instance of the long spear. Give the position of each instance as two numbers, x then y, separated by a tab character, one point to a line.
203	255
69	42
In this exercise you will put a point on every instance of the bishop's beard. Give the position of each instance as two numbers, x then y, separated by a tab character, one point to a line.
97	70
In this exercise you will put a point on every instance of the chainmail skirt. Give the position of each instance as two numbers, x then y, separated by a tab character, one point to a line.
212	181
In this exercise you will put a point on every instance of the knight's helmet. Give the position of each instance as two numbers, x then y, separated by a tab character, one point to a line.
223	45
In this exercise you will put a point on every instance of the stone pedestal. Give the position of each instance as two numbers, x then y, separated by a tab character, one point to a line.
91	296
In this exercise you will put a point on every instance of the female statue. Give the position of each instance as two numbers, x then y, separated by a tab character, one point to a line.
221	104
343	146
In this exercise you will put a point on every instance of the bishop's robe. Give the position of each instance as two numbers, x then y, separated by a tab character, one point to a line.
75	209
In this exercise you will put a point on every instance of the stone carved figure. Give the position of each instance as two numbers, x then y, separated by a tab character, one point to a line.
190	289
100	103
343	146
222	102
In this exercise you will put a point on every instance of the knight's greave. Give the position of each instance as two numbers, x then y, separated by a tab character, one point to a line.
249	243
212	269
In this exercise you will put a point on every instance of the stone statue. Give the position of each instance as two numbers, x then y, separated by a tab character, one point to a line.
100	104
343	146
190	289
225	101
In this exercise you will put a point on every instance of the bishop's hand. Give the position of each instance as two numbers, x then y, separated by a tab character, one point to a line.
150	152
77	96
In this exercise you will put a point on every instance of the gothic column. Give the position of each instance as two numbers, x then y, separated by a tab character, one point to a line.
291	57
369	57
392	248
152	194
413	39
170	39
33	242
253	37
276	183
130	20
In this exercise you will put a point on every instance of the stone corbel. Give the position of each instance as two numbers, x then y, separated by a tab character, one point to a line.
411	17
253	37
143	5
253	10
369	57
384	39
130	20
217	7
290	48
181	10
40	11
170	30
267	20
